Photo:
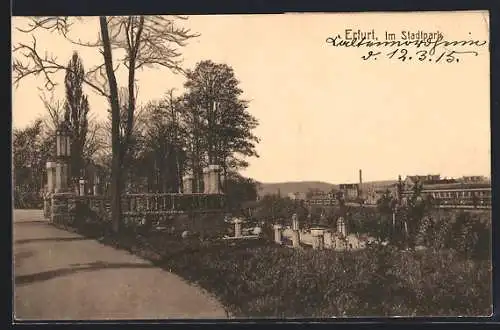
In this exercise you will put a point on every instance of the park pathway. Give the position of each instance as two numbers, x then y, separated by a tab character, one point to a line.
63	276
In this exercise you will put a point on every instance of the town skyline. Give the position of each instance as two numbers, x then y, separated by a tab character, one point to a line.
403	177
323	112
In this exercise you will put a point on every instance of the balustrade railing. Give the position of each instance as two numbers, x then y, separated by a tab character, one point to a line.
171	203
96	208
137	209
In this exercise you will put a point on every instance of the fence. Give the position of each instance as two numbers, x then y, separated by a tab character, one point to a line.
149	210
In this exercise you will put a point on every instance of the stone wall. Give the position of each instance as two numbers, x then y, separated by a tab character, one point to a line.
178	212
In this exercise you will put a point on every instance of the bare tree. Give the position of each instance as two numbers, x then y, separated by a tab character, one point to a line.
96	133
55	110
164	143
146	41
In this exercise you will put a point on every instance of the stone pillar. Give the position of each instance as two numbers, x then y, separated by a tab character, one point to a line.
59	177
187	184
295	222
317	235
96	185
237	227
207	186
295	239
328	239
68	146
214	176
76	187
50	166
82	187
66	176
46	207
277	234
341	228
62	171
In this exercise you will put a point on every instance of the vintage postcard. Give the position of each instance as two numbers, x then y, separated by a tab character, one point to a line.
251	166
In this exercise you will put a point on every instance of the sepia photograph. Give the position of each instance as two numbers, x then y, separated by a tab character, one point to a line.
263	166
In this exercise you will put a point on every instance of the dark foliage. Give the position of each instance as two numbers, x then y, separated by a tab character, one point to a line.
259	279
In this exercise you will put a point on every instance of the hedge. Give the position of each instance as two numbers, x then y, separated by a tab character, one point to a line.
260	279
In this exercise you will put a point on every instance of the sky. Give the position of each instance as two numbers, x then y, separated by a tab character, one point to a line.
324	112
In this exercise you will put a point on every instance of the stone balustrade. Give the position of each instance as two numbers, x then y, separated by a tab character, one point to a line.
171	203
64	208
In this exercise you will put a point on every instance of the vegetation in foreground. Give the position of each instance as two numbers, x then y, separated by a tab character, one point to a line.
259	279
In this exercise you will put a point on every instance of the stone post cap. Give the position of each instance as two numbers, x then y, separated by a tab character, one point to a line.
50	164
237	220
82	181
188	177
277	226
206	169
214	167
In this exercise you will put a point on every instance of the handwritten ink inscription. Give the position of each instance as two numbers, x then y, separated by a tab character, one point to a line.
403	54
411	47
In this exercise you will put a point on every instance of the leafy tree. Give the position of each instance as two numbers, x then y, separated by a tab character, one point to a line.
386	207
273	208
31	148
341	202
76	113
27	159
220	116
385	203
145	41
162	154
239	189
411	211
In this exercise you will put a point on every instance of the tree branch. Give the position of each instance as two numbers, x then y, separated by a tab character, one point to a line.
46	65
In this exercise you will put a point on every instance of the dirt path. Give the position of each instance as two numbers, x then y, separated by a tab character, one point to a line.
63	276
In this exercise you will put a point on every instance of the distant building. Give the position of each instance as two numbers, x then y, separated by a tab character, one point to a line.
324	199
350	191
429	178
372	195
297	196
473	179
466	191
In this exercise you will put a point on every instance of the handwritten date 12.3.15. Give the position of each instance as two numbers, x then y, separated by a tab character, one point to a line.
403	55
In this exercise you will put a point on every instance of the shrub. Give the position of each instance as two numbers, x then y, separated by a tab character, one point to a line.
27	200
256	278
269	280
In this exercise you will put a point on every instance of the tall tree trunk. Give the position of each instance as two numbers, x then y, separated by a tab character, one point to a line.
116	167
175	134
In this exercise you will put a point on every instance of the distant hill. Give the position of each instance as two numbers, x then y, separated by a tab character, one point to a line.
304	186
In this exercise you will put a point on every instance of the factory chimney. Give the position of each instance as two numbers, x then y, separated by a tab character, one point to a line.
360	177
